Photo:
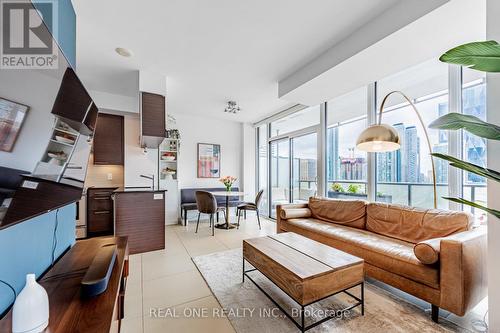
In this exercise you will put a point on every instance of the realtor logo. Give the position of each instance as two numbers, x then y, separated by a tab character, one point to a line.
26	39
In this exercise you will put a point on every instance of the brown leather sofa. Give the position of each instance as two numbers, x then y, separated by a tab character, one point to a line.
434	255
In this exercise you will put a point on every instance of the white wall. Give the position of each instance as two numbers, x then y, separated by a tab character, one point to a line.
136	161
113	102
194	130
248	161
37	91
493	106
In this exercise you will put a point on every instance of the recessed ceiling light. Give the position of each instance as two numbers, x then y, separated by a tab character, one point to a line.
124	52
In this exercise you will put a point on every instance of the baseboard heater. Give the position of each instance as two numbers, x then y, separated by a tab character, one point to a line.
95	280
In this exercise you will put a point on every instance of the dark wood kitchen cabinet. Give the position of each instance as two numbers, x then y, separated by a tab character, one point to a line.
152	119
74	105
100	215
109	140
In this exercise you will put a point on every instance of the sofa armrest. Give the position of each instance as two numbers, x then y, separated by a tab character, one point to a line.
279	208
463	270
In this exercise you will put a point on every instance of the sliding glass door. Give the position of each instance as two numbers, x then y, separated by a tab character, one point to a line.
304	167
280	174
293	169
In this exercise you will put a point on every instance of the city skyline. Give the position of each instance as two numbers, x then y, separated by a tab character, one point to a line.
405	164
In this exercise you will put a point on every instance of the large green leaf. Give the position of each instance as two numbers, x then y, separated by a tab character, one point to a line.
482	56
474	125
478	170
476	205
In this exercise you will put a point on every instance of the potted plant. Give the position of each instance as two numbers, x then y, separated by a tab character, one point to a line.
481	56
336	187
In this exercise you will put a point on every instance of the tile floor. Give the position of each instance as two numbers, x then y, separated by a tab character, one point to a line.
169	279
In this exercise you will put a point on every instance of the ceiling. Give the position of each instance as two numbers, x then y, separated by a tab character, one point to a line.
212	51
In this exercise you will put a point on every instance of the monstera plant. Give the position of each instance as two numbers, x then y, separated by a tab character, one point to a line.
481	56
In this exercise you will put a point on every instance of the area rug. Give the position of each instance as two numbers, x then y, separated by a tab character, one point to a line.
249	310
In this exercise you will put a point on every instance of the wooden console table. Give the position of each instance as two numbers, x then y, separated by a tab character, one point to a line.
69	312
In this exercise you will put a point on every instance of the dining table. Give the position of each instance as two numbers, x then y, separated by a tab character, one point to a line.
227	195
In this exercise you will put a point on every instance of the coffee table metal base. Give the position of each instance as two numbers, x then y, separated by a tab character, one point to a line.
301	326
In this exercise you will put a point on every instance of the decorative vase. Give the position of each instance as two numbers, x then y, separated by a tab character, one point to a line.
30	313
228	188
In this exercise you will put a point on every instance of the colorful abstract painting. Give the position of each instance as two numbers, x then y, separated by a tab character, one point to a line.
208	160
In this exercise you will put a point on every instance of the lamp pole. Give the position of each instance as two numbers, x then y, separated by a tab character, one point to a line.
425	132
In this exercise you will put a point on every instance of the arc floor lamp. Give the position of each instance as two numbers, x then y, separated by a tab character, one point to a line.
382	138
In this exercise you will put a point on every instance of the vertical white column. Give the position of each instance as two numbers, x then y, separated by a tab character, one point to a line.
455	176
371	112
321	164
493	116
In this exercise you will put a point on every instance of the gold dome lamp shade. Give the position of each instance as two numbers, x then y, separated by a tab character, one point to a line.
382	138
379	138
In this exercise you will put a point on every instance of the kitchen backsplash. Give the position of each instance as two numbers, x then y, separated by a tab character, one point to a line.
98	175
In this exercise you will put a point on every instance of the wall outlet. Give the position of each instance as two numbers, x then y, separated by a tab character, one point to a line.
110	176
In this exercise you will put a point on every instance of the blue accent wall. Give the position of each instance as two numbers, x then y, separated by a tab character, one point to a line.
63	26
27	248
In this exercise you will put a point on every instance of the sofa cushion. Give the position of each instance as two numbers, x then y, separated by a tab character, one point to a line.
414	224
428	251
347	212
291	213
387	253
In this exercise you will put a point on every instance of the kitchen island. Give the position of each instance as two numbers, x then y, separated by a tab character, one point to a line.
139	213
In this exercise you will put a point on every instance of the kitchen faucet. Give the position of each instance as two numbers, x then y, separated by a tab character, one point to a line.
152	177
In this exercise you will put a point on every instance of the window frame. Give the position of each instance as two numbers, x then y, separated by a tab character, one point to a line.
455	139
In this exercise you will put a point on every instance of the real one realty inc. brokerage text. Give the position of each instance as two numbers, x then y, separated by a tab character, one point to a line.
242	313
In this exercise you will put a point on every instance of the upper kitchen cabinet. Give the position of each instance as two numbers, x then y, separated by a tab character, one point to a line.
74	105
152	119
109	140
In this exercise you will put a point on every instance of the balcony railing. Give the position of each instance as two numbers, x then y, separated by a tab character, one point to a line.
411	194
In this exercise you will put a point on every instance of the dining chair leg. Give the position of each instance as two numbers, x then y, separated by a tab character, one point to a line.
197	223
245	212
238	212
213	224
185	217
258	218
217	217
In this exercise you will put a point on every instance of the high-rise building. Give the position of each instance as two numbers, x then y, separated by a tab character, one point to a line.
412	146
352	168
400	154
391	166
332	137
440	164
474	147
307	169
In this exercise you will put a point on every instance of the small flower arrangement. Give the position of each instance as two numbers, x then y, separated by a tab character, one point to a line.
228	181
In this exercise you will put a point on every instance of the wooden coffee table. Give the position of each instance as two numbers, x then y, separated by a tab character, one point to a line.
306	270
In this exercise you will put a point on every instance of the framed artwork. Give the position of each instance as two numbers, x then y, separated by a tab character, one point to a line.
208	160
12	116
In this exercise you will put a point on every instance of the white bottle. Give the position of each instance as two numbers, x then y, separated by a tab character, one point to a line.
30	313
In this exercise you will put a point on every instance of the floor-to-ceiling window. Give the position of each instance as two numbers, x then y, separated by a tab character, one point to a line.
346	166
474	147
293	157
262	166
280	173
405	176
304	167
